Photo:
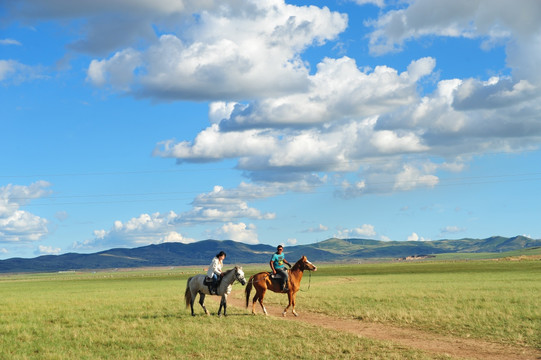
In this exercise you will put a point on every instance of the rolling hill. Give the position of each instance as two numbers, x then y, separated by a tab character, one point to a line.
202	252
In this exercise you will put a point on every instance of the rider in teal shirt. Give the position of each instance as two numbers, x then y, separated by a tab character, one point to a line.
277	265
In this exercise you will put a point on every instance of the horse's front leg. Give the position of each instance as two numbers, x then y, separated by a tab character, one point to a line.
293	302
223	303
202	302
289	297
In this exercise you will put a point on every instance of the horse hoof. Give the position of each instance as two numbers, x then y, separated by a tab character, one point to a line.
284	314
294	313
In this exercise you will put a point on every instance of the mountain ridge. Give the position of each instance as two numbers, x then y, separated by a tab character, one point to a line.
202	252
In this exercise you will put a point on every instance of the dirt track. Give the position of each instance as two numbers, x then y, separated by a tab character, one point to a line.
411	338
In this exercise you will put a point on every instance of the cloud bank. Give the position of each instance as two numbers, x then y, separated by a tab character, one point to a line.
289	123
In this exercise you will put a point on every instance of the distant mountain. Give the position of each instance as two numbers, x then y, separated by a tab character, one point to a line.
202	252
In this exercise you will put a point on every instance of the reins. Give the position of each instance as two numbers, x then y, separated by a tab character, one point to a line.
309	282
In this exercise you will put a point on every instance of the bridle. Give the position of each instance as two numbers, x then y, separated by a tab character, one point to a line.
239	279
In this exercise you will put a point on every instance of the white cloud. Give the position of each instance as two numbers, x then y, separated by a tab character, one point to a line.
452	230
329	128
384	238
222	205
48	250
292	241
19	225
9	42
16	72
415	237
227	53
378	3
411	177
238	232
319	228
492	21
117	71
143	230
8	68
364	230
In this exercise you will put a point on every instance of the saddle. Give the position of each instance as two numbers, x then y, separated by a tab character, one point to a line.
208	282
278	278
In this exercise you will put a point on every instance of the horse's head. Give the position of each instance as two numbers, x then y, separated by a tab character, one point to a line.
239	275
304	264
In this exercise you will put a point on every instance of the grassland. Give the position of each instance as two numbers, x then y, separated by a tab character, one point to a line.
141	315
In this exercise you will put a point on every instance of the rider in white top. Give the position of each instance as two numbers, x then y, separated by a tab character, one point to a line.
215	269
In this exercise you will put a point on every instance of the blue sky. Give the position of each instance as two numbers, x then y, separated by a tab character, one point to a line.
127	123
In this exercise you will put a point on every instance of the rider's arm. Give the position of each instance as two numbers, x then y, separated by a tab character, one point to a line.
215	268
286	262
272	267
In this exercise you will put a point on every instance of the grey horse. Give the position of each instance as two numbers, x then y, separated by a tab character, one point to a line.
195	286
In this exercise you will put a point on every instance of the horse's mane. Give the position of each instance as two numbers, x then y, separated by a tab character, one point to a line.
228	271
298	264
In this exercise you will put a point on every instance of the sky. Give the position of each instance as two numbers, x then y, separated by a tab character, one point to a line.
125	123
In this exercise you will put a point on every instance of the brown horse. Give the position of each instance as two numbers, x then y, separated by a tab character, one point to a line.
262	282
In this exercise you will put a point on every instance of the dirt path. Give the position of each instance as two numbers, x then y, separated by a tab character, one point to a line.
411	338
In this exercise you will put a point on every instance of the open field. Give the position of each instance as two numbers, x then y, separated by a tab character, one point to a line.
140	314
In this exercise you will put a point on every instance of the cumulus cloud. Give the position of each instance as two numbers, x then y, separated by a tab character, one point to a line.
217	206
18	225
48	250
221	51
495	22
292	241
415	237
221	205
237	232
364	230
329	128
143	230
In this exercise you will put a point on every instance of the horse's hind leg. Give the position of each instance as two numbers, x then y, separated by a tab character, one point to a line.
261	296
223	303
202	302
191	305
256	297
192	300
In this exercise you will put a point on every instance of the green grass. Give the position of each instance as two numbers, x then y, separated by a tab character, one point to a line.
530	252
492	300
141	314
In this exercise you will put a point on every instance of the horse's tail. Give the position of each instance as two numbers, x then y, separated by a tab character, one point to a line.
248	289
188	293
